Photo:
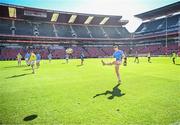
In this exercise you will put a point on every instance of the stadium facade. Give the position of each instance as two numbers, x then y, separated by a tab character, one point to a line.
23	28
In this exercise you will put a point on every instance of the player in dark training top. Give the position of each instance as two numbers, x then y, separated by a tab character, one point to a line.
82	58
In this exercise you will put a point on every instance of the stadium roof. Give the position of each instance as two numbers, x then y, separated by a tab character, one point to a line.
162	11
36	14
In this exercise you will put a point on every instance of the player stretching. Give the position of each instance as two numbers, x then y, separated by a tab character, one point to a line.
82	58
136	58
38	59
174	58
19	57
118	55
32	60
50	57
149	57
27	58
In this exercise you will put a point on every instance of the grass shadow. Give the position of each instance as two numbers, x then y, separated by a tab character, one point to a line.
116	92
177	64
14	66
30	117
79	65
27	69
24	74
63	63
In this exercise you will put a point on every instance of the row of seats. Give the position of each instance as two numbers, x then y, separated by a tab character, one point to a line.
91	52
157	49
159	25
60	30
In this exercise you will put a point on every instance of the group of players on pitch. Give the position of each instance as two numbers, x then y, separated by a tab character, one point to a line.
81	57
32	58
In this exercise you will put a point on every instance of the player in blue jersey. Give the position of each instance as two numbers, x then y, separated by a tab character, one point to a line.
118	55
38	59
82	58
27	56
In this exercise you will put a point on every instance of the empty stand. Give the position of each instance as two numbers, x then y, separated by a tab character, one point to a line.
81	31
96	31
46	29
63	30
23	28
5	26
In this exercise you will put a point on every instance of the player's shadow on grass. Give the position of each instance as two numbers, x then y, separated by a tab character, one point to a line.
30	117
177	64
79	65
27	69
116	92
15	66
24	74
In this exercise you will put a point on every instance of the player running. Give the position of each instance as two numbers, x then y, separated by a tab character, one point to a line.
118	55
174	57
149	57
32	60
19	57
50	57
82	58
136	60
38	59
27	56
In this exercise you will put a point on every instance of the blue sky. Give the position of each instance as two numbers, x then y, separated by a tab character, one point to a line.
125	8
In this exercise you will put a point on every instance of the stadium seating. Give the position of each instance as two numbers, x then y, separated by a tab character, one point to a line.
63	30
29	28
5	26
173	21
23	28
58	54
91	28
78	50
81	31
108	51
158	25
96	32
95	52
46	29
111	32
123	32
92	52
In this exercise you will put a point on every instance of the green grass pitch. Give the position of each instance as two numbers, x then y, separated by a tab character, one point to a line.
60	93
